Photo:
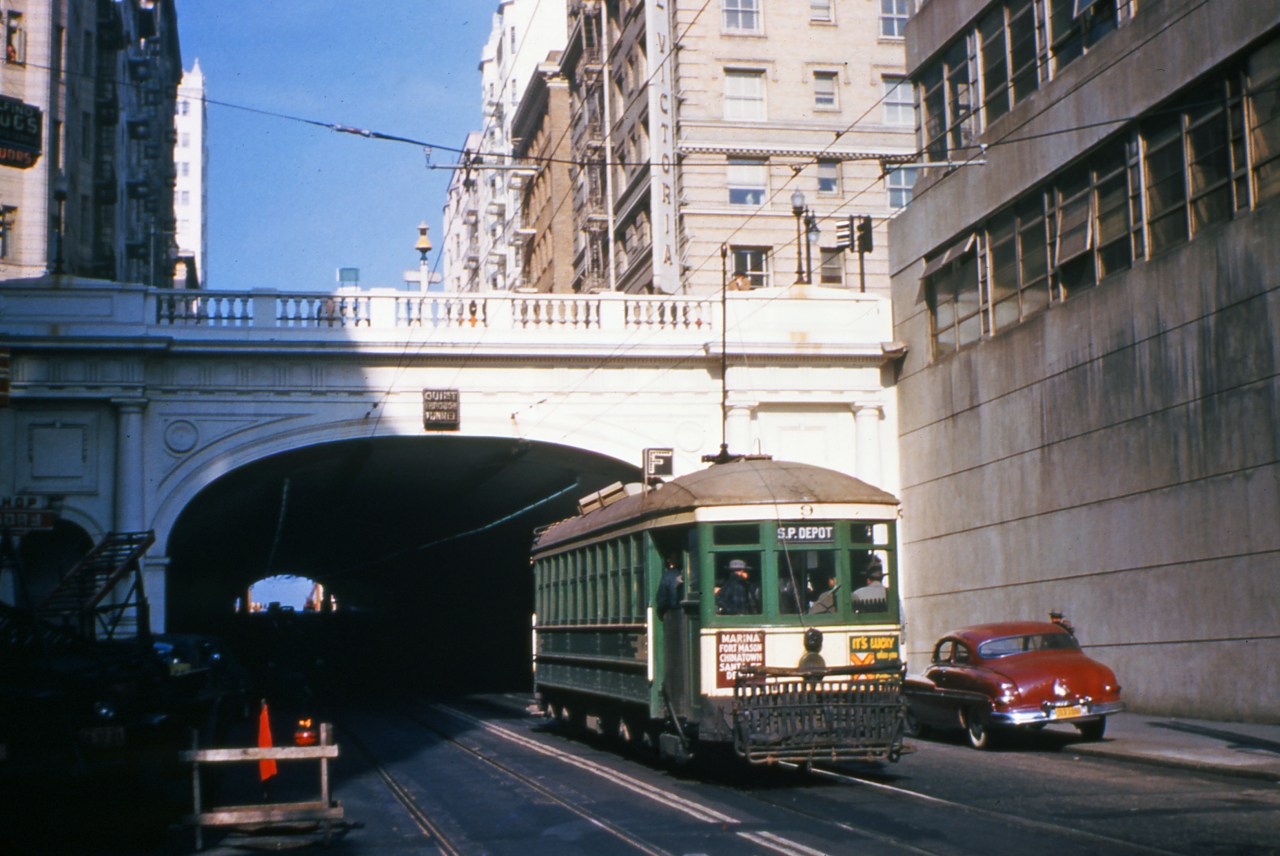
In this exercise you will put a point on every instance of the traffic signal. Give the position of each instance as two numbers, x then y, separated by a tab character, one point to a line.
844	233
865	241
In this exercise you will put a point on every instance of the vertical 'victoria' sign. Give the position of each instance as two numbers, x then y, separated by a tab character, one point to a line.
662	142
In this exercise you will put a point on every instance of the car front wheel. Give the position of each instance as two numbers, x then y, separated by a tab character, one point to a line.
1094	729
975	728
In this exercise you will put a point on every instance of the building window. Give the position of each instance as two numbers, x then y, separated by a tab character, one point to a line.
1009	52
994	62
1072	230
744	95
1166	185
1024	52
751	263
953	296
828	176
8	218
1076	25
946	102
747	180
820	11
741	16
1263	77
893	17
824	90
831	271
15	39
899	105
899	184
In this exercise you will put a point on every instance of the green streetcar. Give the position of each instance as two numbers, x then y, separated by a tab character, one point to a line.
751	604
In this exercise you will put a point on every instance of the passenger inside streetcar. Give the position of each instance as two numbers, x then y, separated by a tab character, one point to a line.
739	594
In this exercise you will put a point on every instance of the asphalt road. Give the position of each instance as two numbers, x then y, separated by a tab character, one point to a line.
483	776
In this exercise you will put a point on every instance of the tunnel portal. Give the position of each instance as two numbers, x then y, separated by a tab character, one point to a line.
423	542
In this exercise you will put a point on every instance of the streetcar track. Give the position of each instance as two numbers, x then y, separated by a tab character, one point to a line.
767	840
430	830
401	795
702	812
775	843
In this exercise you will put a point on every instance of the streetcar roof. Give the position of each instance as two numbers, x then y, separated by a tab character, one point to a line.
748	481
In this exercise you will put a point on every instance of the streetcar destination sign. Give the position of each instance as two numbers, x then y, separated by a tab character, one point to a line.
440	409
807	533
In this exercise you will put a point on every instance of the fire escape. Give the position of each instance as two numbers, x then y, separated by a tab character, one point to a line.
590	140
102	596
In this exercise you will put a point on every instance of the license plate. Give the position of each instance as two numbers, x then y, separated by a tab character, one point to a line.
105	736
1069	712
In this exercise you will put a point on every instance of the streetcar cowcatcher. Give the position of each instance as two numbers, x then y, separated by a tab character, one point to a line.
850	713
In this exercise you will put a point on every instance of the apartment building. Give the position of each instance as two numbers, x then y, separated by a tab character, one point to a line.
190	195
1086	285
541	140
730	140
94	84
521	35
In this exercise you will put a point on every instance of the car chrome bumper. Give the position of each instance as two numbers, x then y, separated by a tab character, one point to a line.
1044	716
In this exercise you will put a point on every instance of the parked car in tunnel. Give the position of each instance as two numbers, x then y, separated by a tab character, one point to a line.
1026	674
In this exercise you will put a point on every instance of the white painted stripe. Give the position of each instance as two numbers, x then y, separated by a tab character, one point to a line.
686	806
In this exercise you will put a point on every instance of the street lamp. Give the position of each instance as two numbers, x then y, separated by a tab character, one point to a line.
423	246
814	235
798	209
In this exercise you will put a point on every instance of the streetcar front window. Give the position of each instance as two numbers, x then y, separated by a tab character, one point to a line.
737	588
871	580
804	576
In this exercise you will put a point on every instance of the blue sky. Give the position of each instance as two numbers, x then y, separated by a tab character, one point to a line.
290	202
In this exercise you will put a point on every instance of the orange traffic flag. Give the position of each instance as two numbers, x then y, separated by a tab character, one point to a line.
266	766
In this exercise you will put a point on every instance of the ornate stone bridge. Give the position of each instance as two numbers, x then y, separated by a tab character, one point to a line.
126	402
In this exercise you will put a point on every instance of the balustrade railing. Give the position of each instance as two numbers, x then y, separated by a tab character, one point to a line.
804	318
401	310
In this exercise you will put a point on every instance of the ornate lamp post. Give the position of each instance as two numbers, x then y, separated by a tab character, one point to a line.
798	209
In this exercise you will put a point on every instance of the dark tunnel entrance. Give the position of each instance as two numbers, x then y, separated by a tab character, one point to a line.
423	542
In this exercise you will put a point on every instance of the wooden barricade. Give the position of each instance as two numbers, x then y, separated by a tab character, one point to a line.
323	809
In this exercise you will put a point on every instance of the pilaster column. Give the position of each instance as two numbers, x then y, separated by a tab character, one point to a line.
155	570
738	428
866	427
130	464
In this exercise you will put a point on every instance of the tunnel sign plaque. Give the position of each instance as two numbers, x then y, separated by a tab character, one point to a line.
440	409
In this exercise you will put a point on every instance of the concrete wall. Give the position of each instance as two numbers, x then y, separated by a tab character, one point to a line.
1118	456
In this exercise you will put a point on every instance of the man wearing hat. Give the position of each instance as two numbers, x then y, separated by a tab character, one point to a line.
874	589
738	595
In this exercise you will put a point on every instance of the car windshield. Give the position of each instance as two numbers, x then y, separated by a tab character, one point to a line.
1006	645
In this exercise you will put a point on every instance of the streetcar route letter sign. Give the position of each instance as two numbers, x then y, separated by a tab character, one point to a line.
440	409
735	649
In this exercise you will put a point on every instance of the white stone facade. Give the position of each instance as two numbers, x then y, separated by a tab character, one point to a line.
190	193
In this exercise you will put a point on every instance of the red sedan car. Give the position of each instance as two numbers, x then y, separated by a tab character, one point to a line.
1022	674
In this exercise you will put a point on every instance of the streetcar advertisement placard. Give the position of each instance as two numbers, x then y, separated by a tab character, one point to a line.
875	648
